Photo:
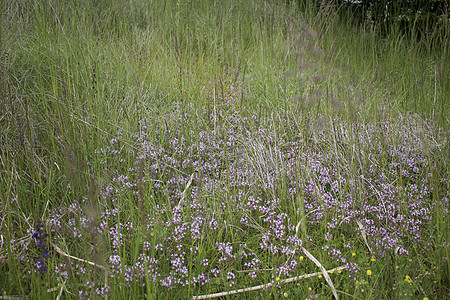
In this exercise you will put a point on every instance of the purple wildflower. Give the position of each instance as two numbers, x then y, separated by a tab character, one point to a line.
40	238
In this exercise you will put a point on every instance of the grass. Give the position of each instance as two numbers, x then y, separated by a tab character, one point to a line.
171	149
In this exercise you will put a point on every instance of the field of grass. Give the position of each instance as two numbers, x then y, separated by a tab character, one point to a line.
173	149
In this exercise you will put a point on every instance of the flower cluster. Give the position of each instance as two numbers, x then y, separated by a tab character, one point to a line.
196	183
40	236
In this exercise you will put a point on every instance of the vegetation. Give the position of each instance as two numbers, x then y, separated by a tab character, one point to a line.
171	149
414	18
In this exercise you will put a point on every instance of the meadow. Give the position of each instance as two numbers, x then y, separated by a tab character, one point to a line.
227	149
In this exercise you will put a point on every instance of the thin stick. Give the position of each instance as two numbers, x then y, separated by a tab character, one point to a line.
267	285
57	249
254	270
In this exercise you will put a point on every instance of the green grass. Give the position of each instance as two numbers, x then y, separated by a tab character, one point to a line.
150	120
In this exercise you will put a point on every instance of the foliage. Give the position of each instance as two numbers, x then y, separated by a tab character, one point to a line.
168	149
416	20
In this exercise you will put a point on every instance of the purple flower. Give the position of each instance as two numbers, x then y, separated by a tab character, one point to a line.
40	236
230	275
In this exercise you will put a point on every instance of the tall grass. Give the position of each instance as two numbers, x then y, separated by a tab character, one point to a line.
169	149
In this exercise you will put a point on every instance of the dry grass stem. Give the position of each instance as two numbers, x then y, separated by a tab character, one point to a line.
324	271
363	232
183	194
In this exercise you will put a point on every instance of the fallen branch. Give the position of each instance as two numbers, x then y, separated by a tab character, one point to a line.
264	286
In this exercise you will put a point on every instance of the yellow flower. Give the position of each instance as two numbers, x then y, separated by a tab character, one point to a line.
277	279
425	298
408	279
339	271
353	254
310	289
298	284
373	259
301	257
331	272
396	267
410	260
320	276
285	295
369	272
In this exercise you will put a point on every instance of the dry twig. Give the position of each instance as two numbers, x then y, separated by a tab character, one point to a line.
61	252
265	286
57	249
